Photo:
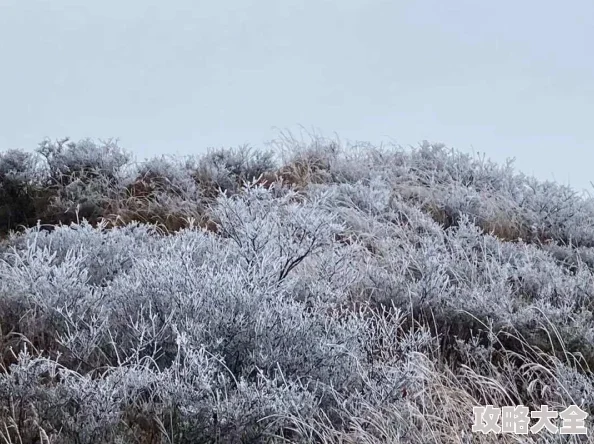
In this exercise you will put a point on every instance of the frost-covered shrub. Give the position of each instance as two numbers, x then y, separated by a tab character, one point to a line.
306	162
244	162
20	180
159	191
82	177
228	169
108	252
345	309
85	160
165	175
572	258
19	166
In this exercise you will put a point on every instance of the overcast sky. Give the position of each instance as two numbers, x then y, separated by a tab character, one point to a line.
508	78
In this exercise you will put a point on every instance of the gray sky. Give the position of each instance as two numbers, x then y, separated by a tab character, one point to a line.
508	78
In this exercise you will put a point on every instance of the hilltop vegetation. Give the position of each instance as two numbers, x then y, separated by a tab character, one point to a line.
313	293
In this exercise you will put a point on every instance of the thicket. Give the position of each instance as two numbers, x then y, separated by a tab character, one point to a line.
313	292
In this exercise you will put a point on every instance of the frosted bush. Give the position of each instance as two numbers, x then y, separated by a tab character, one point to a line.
19	167
344	309
67	159
165	174
227	169
243	162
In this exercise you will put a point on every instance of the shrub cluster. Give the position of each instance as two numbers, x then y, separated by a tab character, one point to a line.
318	293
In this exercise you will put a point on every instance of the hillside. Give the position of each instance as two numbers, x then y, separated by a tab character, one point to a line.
311	293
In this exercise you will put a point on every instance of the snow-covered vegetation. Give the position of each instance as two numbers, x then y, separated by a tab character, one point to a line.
315	292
